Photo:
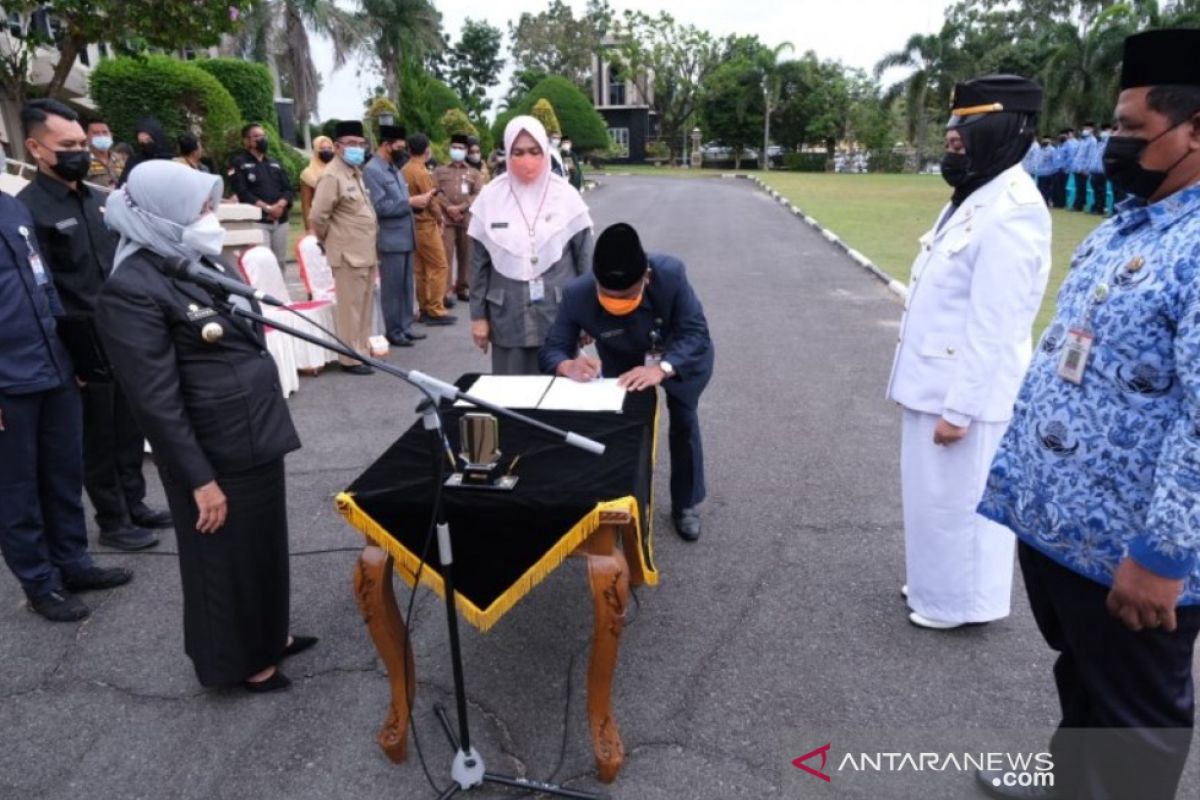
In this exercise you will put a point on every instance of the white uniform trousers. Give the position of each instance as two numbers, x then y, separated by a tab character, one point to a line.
959	565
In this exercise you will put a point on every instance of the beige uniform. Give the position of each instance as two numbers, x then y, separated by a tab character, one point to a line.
344	220
461	184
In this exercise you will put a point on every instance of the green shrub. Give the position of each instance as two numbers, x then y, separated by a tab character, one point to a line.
179	95
576	116
455	121
804	162
888	161
425	101
250	85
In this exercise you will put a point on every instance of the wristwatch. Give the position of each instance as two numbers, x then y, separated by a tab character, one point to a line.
667	369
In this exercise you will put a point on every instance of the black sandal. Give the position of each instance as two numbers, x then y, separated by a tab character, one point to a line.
276	683
299	645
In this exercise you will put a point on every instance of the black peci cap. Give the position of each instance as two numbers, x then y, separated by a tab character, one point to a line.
459	138
1161	58
990	94
618	260
348	128
392	133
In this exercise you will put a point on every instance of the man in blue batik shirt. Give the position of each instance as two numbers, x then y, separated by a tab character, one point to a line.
1096	176
1067	145
1080	166
1099	472
1045	168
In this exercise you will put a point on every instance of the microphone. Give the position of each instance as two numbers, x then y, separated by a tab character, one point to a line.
207	275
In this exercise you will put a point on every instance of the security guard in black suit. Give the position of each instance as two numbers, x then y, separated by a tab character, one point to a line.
78	249
43	535
649	329
259	180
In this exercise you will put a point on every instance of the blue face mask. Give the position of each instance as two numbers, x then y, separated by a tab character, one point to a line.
102	143
457	154
355	155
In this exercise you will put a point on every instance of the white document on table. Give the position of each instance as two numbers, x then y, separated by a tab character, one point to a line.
510	391
598	395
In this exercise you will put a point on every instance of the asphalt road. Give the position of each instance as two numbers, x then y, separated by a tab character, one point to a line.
781	631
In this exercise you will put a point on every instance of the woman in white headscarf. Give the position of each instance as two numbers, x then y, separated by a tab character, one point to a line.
533	236
206	394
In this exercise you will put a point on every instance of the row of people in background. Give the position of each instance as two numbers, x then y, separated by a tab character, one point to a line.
1069	170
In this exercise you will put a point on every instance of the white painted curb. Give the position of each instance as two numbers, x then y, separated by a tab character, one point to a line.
893	285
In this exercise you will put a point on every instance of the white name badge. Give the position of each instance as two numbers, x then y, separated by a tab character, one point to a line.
537	290
1075	354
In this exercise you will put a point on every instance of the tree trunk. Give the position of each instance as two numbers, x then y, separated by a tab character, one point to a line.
11	101
72	45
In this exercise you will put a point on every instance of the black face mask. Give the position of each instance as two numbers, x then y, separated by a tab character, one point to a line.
148	148
955	168
325	155
261	144
72	165
1123	164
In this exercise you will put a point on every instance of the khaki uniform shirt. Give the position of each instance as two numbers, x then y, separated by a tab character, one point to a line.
343	217
461	184
106	175
419	182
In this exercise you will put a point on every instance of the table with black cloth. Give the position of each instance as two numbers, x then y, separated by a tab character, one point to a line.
566	502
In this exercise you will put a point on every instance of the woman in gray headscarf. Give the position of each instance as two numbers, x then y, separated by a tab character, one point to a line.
206	393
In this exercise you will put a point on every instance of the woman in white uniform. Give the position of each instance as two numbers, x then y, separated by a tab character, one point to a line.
965	341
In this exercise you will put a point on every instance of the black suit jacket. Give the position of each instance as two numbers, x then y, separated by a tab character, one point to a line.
669	305
208	409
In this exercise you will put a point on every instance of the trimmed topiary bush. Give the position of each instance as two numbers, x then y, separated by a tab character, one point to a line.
455	121
576	116
179	95
543	112
248	83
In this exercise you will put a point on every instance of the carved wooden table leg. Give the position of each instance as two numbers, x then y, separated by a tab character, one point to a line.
377	602
608	576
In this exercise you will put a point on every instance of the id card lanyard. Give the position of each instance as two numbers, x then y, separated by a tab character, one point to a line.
1080	339
35	260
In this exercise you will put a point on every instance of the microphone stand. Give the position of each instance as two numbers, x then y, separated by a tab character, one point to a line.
467	771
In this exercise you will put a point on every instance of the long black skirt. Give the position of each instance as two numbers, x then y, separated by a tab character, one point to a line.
235	581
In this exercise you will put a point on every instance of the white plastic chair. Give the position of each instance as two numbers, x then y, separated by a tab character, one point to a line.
261	270
317	276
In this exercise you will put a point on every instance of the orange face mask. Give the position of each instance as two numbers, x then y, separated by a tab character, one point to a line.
620	306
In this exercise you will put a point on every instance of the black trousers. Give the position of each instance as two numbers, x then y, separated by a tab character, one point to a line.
42	530
687	456
1127	698
1099	192
1060	189
1081	184
113	448
1045	184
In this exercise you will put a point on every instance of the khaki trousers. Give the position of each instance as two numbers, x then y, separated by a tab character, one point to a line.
457	245
431	271
355	288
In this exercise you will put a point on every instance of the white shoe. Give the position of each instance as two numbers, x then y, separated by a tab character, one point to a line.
904	591
932	624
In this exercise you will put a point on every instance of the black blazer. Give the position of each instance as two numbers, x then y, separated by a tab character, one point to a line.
208	409
669	305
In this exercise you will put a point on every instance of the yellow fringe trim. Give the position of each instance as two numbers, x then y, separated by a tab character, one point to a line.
407	563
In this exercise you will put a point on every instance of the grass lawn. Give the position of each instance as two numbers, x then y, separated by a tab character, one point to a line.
882	216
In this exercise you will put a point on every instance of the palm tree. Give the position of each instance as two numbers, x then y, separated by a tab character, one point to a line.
277	32
400	32
927	87
768	61
1080	69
